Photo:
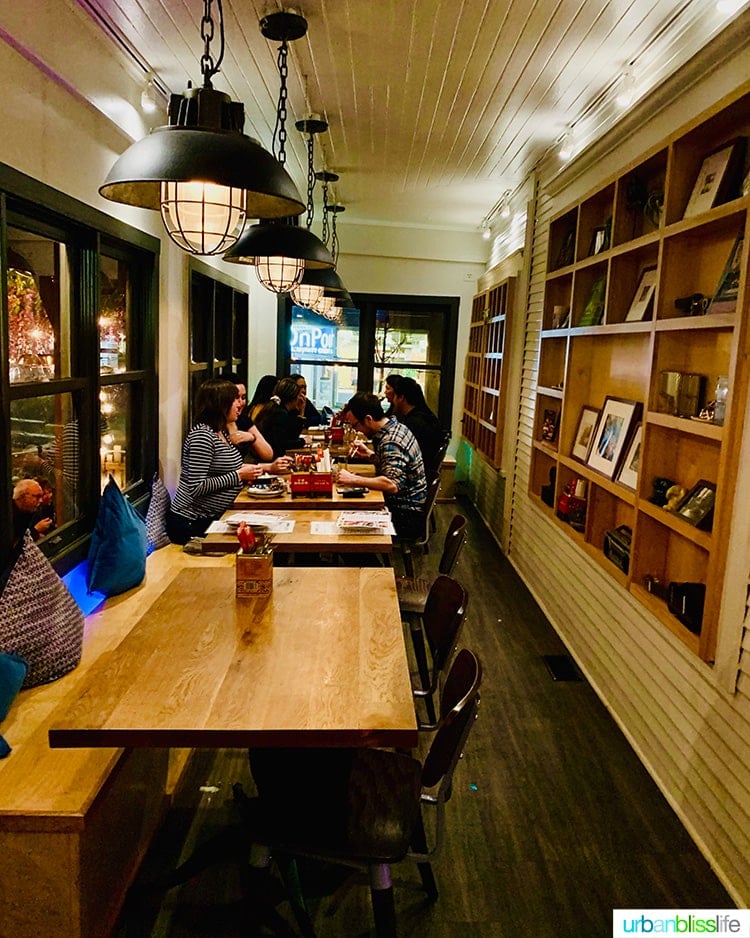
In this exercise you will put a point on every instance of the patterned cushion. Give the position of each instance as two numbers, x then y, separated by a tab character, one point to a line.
39	619
117	555
156	516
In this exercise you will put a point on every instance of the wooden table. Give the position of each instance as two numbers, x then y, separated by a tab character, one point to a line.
322	662
302	540
370	500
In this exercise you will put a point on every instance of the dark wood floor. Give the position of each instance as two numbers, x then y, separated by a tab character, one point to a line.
553	821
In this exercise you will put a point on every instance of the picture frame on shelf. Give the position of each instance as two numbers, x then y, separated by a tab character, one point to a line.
725	298
643	296
594	308
631	464
698	505
717	177
612	433
567	249
560	316
550	422
585	433
599	240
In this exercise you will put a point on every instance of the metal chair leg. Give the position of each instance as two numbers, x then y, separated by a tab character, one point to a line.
419	846
290	875
420	654
383	906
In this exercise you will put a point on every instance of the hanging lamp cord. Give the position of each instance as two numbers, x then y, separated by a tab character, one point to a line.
334	240
208	67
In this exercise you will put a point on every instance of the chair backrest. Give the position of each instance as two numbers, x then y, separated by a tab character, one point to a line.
454	541
458	707
433	488
442	619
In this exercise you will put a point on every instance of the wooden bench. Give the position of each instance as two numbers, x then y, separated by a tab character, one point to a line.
75	824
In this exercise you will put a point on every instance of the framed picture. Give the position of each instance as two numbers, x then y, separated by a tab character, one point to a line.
594	309
598	241
549	425
612	431
643	296
628	475
725	298
717	177
585	433
698	505
567	249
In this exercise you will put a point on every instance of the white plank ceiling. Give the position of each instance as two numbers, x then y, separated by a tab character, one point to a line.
435	107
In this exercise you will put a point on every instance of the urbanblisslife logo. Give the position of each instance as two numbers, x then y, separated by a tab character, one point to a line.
687	923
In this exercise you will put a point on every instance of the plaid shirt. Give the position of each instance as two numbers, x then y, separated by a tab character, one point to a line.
399	458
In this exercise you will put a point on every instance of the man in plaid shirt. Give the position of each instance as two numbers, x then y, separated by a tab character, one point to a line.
398	460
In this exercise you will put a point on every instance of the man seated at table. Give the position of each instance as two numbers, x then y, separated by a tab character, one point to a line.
397	458
411	408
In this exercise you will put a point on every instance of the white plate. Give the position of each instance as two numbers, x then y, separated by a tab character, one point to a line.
264	493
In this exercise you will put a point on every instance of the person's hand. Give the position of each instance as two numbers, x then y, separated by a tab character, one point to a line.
359	449
282	464
43	525
300	402
346	477
249	471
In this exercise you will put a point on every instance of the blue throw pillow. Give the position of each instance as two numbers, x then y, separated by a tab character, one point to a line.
13	670
117	556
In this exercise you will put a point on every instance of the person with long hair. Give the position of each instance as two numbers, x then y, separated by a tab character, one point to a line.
261	396
280	420
212	471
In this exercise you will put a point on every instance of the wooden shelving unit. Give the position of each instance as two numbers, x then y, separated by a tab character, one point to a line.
583	364
485	373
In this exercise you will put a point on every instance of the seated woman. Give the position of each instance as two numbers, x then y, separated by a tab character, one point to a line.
280	420
261	396
212	471
242	432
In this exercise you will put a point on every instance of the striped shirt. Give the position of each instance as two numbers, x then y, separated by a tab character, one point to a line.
209	481
399	458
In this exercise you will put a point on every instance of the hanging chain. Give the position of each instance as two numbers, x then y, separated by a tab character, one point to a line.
325	213
310	183
208	67
279	133
334	240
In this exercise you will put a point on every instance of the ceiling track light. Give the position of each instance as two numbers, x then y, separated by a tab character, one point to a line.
150	98
566	145
627	91
200	170
486	230
281	253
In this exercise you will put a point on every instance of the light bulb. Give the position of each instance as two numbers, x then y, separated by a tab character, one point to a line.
149	100
729	6
279	274
627	93
307	294
566	146
486	232
324	305
201	217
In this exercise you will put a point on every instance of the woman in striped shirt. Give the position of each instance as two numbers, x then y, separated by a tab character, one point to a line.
212	470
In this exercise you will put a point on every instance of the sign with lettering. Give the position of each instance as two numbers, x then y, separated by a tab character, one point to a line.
310	340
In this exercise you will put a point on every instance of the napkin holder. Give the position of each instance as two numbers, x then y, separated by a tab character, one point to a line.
300	484
254	574
321	483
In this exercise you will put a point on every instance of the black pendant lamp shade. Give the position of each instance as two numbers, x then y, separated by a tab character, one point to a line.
281	251
200	170
203	162
328	279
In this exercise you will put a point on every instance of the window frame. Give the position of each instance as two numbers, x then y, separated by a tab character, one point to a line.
29	205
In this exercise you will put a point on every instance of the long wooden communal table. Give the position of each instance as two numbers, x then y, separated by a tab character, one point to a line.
303	540
317	502
322	662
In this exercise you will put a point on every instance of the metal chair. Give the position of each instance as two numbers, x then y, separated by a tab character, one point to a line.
407	545
363	807
441	624
413	590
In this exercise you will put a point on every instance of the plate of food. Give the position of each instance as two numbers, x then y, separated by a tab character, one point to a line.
255	491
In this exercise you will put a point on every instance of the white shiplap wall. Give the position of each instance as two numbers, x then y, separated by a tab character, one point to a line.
691	733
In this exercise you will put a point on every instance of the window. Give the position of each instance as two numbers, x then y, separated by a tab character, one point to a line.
414	336
78	372
219	311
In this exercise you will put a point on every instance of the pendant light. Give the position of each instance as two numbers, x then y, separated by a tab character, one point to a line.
200	170
307	294
280	251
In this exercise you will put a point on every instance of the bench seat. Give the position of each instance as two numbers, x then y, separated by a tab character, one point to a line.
75	824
